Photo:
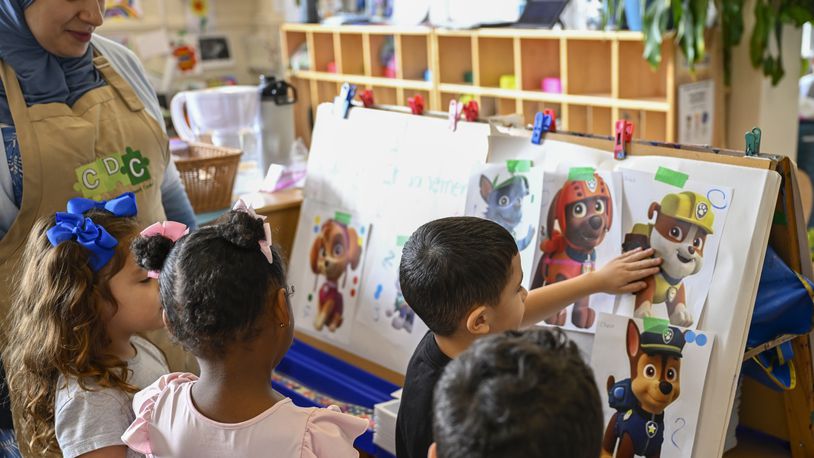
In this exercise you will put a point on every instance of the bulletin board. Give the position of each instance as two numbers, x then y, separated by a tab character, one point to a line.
397	171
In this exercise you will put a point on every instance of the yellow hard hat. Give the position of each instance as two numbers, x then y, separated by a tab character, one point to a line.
690	207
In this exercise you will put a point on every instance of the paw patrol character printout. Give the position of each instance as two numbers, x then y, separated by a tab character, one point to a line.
509	194
651	382
684	225
330	251
580	233
381	305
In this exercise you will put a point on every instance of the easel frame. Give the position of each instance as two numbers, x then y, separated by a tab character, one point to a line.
787	237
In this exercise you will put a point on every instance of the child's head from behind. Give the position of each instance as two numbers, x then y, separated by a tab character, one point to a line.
217	288
518	394
78	284
463	274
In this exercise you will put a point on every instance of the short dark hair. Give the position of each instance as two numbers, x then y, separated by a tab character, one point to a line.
214	282
518	394
451	264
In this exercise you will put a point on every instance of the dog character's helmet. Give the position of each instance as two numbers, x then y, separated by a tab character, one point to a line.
576	190
690	207
663	340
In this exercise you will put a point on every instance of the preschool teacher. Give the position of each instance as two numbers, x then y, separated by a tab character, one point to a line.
78	117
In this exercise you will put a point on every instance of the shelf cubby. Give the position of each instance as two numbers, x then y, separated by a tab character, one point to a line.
593	119
385	95
540	59
457	59
497	106
377	43
495	59
353	61
637	80
413	53
589	67
322	51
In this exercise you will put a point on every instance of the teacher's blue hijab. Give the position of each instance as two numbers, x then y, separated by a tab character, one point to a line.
44	77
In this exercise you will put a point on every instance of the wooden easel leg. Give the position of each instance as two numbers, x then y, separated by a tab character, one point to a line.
799	403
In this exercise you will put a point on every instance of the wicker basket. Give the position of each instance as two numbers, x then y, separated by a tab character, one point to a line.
208	173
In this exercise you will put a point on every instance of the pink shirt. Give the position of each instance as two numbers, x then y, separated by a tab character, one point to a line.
168	425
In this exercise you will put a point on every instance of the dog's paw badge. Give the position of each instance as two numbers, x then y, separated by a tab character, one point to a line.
667	335
701	210
591	184
651	429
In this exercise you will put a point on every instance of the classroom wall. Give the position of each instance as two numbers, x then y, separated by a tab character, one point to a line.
754	102
251	25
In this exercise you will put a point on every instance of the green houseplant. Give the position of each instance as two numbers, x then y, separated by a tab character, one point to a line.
688	18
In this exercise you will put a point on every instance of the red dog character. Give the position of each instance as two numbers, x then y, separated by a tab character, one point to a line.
584	211
336	248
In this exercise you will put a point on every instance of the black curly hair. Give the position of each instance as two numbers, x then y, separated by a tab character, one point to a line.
214	282
518	394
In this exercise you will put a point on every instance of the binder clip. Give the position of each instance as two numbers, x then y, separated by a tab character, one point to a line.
542	124
753	142
343	101
367	98
624	135
455	108
471	111
416	104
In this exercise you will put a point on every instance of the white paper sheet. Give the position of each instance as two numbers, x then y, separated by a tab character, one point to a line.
519	213
642	191
684	385
326	267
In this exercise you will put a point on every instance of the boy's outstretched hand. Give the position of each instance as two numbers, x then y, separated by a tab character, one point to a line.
626	273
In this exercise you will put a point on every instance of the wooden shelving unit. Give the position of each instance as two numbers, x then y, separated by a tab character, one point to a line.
603	76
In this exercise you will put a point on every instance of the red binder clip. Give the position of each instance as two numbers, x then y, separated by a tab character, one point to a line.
416	104
553	114
624	135
366	97
471	111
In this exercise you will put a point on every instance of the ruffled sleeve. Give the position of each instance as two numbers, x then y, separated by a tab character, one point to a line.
137	435
330	433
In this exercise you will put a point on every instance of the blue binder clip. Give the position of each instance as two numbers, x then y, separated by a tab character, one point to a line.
342	102
542	124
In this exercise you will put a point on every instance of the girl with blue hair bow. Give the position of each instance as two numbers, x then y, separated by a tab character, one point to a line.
73	352
78	118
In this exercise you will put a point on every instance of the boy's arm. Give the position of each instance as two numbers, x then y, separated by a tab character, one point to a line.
620	276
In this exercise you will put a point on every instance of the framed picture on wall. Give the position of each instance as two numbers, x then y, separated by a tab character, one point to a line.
215	51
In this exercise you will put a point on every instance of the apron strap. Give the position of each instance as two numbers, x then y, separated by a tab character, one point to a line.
117	82
14	94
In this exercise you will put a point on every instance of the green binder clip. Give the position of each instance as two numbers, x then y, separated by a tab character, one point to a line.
753	142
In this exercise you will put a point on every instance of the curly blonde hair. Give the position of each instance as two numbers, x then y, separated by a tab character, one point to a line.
56	326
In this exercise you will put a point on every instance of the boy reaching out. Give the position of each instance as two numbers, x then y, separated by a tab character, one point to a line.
462	276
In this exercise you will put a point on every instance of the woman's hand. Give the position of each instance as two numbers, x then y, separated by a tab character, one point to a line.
626	273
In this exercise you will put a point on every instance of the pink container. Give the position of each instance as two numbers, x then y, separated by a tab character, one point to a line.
552	85
331	67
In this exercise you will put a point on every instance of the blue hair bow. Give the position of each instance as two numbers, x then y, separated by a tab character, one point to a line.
122	206
94	238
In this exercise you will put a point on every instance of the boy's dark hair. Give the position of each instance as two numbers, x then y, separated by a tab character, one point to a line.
518	394
214	282
452	264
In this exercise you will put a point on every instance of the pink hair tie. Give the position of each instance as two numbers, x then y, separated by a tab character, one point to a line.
265	244
167	229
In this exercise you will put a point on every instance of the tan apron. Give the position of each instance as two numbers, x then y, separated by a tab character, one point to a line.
102	146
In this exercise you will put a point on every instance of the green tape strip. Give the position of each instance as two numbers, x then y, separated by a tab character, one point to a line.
780	219
672	177
518	165
401	240
657	325
581	173
343	218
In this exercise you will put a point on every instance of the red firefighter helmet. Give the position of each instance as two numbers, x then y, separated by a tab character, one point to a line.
571	192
